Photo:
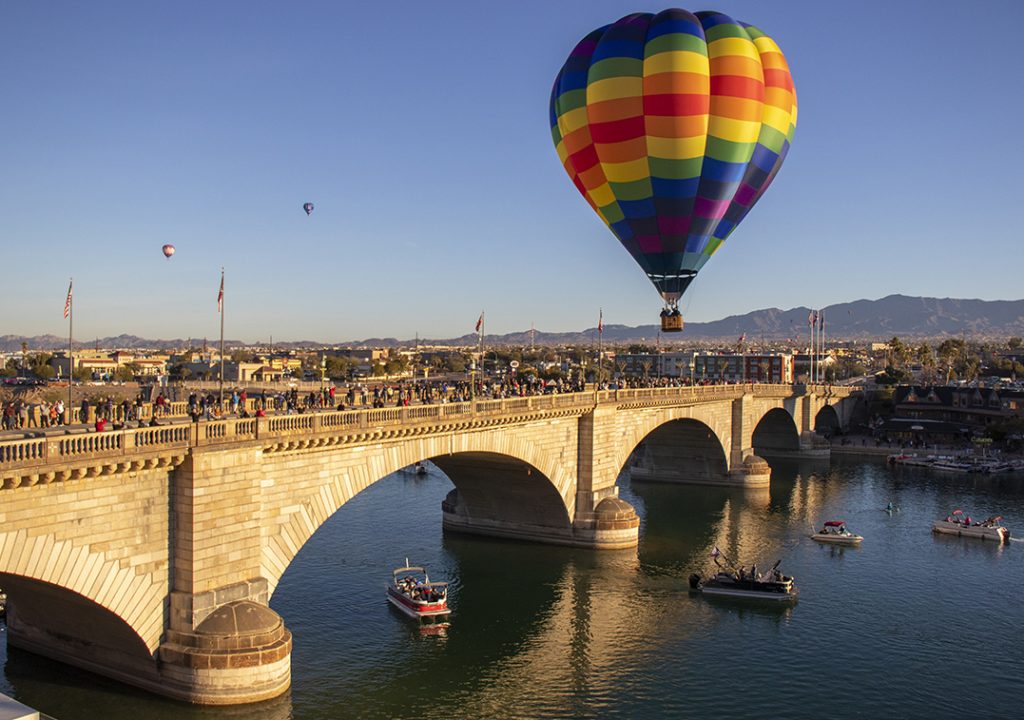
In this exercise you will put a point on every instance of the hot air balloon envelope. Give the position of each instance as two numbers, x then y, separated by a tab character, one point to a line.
672	126
168	251
308	207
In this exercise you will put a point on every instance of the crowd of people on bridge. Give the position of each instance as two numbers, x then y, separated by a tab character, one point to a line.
109	413
21	415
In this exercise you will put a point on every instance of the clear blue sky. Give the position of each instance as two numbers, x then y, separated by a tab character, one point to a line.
420	131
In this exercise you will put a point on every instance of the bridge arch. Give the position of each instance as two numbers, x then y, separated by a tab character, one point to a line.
684	450
41	612
711	419
827	421
530	483
775	431
44	571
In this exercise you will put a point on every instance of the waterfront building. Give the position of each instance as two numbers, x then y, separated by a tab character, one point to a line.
971	406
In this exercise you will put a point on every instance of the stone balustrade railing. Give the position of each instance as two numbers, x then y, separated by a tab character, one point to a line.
59	449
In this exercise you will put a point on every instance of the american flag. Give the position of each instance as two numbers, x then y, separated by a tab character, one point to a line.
67	303
812	317
600	320
480	321
220	295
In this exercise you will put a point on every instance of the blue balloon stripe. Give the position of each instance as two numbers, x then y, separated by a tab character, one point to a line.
636	209
668	188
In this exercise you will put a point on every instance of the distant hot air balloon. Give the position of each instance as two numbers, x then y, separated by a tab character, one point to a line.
672	126
168	251
308	207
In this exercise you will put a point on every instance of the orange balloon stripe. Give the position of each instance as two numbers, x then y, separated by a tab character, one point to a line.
624	151
738	108
676	82
577	140
736	65
618	109
677	127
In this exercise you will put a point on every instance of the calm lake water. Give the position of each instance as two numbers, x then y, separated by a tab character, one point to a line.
909	625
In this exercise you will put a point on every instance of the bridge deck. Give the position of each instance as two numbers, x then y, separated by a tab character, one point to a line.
50	451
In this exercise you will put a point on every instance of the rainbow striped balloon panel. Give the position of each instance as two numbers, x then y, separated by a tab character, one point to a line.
672	126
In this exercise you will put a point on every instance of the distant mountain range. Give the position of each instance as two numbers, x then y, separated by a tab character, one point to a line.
895	315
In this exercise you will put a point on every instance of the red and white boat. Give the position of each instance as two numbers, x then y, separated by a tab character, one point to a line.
834	532
412	592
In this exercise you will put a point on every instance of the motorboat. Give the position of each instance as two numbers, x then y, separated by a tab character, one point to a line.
960	524
412	592
834	532
747	584
418	469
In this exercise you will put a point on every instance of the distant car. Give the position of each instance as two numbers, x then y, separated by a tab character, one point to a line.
23	381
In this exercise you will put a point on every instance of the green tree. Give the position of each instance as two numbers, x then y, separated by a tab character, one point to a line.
1015	343
950	351
647	364
124	373
554	372
898	352
455	363
891	376
179	371
926	357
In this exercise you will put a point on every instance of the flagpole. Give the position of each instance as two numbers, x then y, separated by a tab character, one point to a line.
817	337
71	350
814	348
810	330
821	366
221	308
600	346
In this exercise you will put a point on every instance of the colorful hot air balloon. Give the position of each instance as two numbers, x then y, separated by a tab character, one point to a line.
168	251
672	126
308	207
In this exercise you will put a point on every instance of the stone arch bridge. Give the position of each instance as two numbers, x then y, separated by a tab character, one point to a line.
150	555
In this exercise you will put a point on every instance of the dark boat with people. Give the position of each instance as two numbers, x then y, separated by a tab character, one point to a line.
742	583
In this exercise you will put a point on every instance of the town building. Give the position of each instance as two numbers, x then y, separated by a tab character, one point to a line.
743	367
973	406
